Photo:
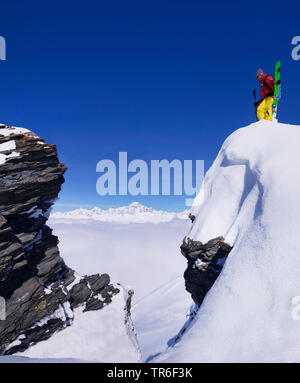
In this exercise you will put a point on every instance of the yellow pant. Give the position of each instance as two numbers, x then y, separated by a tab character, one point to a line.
264	110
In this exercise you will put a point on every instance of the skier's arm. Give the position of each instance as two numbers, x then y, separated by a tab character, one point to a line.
270	82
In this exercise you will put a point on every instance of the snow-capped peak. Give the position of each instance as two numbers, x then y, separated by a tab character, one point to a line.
133	213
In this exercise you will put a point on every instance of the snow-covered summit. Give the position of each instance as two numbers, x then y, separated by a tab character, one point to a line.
9	130
7	147
133	213
8	135
251	197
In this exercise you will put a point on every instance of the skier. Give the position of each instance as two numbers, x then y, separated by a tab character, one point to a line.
264	106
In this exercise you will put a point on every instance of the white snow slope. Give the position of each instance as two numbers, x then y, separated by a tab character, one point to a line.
251	196
159	316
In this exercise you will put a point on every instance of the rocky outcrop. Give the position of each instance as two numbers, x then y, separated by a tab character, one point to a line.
205	262
40	290
130	329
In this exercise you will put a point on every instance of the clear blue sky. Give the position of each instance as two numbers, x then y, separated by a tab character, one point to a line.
158	79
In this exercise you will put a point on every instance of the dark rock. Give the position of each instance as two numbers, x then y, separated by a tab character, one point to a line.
79	293
98	282
192	217
93	304
205	262
34	280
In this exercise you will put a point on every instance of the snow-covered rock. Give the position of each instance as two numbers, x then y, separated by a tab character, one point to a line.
250	197
41	294
95	336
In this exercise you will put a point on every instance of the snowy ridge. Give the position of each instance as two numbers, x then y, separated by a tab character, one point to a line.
8	130
7	148
250	196
133	213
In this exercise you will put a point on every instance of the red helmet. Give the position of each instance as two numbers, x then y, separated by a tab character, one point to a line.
259	73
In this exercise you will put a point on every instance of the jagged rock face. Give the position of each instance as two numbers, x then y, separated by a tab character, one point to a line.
39	289
205	262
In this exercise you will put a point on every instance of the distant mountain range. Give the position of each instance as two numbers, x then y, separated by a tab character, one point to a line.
133	213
